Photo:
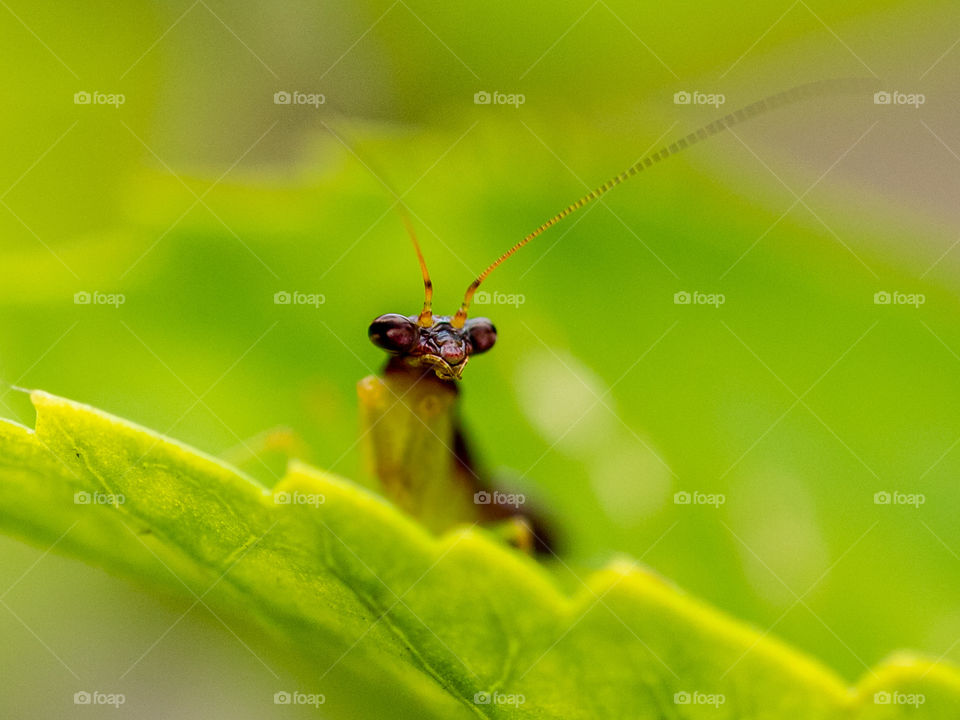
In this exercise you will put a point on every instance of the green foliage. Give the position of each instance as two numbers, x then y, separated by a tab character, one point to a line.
101	198
386	620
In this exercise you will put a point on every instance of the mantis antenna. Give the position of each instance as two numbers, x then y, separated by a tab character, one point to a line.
781	99
425	319
426	315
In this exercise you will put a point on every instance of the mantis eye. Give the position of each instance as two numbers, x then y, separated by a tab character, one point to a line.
394	333
482	334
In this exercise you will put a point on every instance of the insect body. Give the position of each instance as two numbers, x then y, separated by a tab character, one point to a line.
417	446
419	450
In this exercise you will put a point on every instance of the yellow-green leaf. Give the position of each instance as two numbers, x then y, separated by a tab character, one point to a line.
386	620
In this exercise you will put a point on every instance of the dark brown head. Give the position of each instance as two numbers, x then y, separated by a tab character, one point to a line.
438	345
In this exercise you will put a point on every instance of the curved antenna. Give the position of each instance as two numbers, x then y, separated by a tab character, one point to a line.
749	112
426	315
425	318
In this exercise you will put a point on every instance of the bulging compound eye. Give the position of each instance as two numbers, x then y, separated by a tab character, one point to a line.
394	333
482	334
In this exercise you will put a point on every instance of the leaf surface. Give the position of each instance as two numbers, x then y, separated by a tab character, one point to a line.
385	620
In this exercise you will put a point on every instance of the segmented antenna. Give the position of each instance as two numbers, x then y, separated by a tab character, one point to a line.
425	318
426	315
781	99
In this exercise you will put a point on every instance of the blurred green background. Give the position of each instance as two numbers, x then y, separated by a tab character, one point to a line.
798	399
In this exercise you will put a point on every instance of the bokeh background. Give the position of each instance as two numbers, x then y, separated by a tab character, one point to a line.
797	399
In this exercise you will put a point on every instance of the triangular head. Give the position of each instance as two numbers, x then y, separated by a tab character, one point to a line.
439	346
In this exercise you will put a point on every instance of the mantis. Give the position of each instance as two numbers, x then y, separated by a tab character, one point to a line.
415	441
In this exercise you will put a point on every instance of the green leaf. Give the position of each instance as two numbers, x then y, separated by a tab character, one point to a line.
386	620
